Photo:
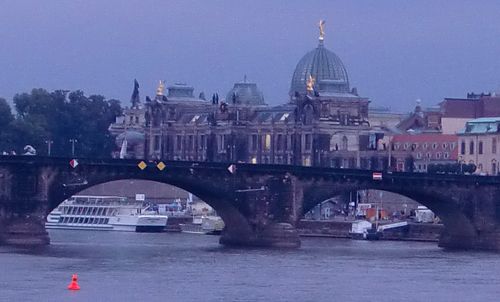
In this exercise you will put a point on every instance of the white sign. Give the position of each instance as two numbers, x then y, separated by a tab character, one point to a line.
140	197
232	168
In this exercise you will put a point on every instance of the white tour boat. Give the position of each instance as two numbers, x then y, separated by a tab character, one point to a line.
85	212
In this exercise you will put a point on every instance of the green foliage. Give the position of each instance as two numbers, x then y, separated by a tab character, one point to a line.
60	116
455	168
6	116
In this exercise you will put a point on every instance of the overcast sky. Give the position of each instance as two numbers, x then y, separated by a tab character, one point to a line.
395	51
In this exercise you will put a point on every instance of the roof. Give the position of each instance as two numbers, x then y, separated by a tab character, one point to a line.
484	125
245	93
482	106
321	64
460	108
425	137
485	120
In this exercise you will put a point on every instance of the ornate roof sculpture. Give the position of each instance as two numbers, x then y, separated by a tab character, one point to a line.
324	66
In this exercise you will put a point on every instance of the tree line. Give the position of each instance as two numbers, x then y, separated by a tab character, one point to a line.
455	168
61	119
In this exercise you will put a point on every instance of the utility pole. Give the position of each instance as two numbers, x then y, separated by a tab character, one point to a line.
73	141
49	146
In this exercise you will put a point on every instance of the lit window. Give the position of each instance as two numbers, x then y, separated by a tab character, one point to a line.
267	142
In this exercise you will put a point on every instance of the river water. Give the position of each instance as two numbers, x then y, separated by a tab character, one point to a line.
116	266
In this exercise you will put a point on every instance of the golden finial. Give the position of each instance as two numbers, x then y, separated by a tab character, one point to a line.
321	25
161	87
310	83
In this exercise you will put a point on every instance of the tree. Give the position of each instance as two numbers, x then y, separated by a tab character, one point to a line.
60	116
6	116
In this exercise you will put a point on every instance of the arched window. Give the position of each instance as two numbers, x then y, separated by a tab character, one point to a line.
480	148
344	143
267	142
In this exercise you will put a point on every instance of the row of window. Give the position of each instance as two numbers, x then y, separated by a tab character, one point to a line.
480	147
438	155
425	146
87	211
283	142
83	220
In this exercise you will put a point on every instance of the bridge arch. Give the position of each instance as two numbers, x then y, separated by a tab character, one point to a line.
447	207
236	223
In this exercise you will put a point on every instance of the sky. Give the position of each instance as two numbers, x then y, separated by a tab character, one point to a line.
395	51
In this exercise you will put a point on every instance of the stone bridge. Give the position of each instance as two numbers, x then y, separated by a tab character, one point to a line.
260	204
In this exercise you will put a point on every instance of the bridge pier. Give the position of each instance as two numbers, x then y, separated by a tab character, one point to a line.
481	240
278	235
24	231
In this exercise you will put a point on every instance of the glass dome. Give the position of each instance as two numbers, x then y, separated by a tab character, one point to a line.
325	67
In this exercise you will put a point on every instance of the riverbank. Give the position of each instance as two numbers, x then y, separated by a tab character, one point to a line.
340	229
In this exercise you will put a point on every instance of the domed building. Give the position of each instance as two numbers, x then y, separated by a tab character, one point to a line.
325	67
324	124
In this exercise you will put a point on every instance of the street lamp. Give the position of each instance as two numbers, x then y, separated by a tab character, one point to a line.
73	141
49	146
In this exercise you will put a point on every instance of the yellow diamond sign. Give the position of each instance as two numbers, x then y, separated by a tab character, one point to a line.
160	166
142	165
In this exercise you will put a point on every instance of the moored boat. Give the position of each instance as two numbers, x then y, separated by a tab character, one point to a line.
86	212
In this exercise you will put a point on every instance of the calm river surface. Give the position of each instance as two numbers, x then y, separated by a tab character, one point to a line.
115	266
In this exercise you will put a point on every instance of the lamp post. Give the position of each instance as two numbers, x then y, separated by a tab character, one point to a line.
73	141
49	146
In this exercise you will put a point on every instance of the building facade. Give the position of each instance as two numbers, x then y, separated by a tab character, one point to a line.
478	145
325	122
415	152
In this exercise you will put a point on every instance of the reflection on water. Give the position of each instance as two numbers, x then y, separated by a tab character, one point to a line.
115	266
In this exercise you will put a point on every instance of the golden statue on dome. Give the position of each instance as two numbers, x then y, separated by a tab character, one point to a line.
161	88
321	30
310	83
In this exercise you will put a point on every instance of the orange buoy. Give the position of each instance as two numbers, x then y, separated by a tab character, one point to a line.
74	283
